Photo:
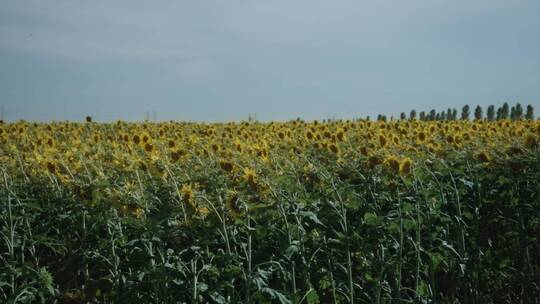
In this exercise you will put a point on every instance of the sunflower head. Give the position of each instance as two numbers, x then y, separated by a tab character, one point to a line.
226	165
483	156
405	166
374	160
392	163
395	140
148	147
233	203
187	193
309	135
249	176
51	167
531	141
333	148
382	140
340	134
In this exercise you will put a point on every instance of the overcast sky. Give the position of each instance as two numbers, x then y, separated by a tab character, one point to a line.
223	60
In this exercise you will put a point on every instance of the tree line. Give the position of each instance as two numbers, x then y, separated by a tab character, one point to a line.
515	112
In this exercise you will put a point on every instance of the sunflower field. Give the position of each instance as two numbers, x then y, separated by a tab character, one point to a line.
352	211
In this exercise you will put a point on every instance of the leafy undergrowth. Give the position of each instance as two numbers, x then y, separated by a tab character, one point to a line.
452	231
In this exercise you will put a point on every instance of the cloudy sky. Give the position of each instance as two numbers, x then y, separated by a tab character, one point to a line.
224	60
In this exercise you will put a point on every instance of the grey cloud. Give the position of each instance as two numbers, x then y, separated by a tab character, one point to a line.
219	60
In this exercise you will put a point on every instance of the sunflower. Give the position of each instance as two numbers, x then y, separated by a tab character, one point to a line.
364	151
483	156
405	166
393	163
382	140
333	148
148	147
233	203
512	151
374	160
51	167
250	176
531	141
188	193
309	135
226	165
340	134
396	140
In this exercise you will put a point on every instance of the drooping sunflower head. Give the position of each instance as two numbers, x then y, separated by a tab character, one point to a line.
148	147
382	140
309	135
483	157
233	203
531	141
51	167
226	165
392	163
374	160
340	134
396	140
405	166
333	148
188	193
250	175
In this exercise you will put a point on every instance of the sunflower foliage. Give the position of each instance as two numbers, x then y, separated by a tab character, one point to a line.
284	212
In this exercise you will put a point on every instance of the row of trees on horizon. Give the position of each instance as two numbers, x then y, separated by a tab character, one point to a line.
515	112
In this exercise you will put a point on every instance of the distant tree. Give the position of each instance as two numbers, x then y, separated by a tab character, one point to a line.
491	113
368	118
383	118
423	115
379	117
465	112
530	112
478	113
513	113
432	115
454	114
518	112
412	116
402	116
505	111
499	113
442	115
449	114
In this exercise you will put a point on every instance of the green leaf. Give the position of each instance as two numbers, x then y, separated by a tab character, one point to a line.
312	216
274	294
312	297
371	219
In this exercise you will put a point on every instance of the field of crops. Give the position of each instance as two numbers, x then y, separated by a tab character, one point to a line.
286	212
